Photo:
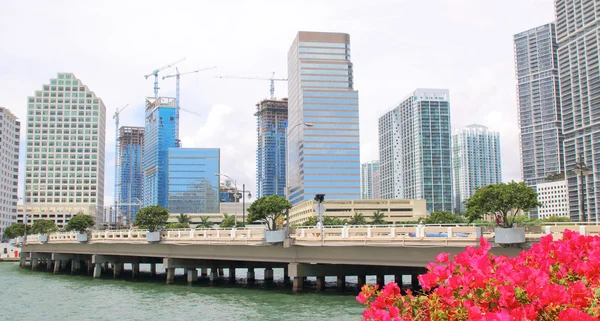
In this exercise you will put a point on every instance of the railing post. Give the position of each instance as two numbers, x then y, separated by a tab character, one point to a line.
178	234
582	230
218	233
106	234
369	232
192	233
393	232
478	233
345	232
233	229
450	232
129	234
548	229
302	233
204	233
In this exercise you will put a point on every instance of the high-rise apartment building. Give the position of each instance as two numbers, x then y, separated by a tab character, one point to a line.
159	136
131	145
554	197
577	33
64	170
271	127
541	137
415	154
10	134
193	184
476	162
324	158
367	179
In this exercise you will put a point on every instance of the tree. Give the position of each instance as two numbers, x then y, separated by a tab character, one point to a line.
557	219
268	209
43	227
357	219
378	218
80	223
177	225
16	230
442	217
152	218
229	221
502	201
205	222
184	218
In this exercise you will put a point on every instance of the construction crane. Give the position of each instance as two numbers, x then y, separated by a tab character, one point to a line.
177	75
117	138
156	71
272	80
187	111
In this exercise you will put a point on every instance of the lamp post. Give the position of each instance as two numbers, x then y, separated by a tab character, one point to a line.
582	170
237	197
288	131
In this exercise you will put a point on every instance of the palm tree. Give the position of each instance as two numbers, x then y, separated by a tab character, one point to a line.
378	218
357	219
183	218
204	223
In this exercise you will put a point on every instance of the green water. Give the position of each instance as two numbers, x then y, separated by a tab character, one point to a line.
27	295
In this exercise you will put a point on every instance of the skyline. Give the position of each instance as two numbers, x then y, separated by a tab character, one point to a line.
479	74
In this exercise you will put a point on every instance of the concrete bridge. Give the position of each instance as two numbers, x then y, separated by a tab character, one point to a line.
307	252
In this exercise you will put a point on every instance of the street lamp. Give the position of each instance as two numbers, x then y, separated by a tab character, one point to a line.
582	170
288	131
237	197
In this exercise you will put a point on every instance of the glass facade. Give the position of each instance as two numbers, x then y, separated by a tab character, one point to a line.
66	130
271	127
578	34
416	158
324	158
476	161
193	186
159	136
131	143
10	134
367	180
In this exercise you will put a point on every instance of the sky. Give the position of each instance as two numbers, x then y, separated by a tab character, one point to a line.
397	46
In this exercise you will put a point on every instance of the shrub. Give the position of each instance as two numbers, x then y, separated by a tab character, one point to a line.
80	223
43	227
554	280
151	218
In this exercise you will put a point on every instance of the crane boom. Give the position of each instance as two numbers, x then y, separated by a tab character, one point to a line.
156	71
272	80
189	111
188	72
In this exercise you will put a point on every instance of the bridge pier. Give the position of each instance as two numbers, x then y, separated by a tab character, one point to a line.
232	274
320	283
213	276
286	275
204	272
117	269
398	279
135	270
269	275
97	270
414	280
297	284
34	263
170	275
341	282
192	276
362	280
380	280
153	269
49	265
22	260
250	276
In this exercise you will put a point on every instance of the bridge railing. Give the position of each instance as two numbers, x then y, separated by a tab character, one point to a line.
215	236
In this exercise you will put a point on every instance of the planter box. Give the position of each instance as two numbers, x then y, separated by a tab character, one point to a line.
275	236
153	236
12	241
43	238
82	238
20	239
513	235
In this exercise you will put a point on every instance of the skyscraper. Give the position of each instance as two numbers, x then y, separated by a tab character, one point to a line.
131	144
193	186
159	136
271	127
415	153
367	180
476	161
324	158
10	133
64	170
541	137
577	32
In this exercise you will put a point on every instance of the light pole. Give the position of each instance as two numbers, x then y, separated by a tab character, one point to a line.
582	170
288	131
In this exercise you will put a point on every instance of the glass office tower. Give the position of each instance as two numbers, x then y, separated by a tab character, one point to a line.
193	186
131	143
271	126
324	158
159	136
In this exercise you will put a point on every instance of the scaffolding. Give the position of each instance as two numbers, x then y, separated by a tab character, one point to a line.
131	142
271	126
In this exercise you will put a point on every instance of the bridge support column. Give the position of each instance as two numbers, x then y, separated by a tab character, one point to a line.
153	269
320	283
362	280
250	276
221	272
22	260
341	282
269	274
117	269
398	279
90	267
74	266
170	275
34	263
192	276
97	270
49	265
231	274
56	266
135	270
297	284
204	272
213	276
380	280
286	275
414	280
105	267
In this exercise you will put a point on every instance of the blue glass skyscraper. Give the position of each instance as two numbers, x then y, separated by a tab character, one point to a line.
159	137
193	186
131	143
324	158
271	126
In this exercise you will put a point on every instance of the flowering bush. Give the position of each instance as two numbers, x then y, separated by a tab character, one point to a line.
554	280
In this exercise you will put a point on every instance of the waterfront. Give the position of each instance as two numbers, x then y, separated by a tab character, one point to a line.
27	295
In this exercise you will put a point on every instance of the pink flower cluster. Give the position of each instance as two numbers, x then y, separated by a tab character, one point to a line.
554	280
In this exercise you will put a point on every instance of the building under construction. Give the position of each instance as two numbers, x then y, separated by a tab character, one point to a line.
131	145
272	120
